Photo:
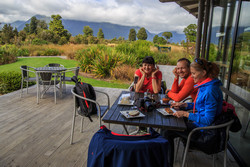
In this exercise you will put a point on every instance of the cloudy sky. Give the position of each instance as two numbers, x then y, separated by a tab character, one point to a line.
151	14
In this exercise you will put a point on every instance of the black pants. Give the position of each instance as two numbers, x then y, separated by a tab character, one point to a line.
170	135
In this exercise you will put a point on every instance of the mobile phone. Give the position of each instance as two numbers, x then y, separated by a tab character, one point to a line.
136	79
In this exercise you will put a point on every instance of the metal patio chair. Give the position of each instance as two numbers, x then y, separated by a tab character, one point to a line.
101	110
46	81
224	125
26	77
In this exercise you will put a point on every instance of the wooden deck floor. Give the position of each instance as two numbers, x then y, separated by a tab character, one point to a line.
34	135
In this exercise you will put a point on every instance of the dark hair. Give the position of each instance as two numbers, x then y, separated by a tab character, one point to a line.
187	61
148	60
211	68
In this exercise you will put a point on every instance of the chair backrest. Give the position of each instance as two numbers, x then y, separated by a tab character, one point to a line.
24	71
54	65
45	77
77	71
211	137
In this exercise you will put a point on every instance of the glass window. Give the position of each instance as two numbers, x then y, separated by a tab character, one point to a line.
241	140
223	22
240	81
220	52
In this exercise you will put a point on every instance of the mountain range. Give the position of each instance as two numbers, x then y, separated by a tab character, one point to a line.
110	30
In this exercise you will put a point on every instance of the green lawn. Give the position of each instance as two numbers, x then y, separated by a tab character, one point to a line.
41	61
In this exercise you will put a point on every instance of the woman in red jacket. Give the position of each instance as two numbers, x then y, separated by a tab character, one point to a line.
149	77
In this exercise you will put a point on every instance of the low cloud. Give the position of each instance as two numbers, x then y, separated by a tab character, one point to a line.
151	14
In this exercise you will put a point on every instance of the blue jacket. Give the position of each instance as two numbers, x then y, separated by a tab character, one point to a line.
107	149
208	103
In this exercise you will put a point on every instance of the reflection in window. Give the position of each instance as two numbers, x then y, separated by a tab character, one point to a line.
220	52
221	37
241	66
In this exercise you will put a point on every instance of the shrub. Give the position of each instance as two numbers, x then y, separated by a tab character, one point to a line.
51	52
124	72
105	62
37	41
8	54
11	81
161	58
137	49
87	56
23	52
62	41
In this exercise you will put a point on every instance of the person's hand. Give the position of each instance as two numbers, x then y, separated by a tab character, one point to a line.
166	92
175	72
155	71
141	70
180	114
178	105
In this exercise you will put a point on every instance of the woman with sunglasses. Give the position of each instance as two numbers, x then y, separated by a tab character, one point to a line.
206	106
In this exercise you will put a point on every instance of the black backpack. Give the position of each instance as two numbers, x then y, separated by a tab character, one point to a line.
87	108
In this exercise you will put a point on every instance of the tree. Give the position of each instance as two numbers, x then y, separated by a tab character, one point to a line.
33	25
27	28
167	35
22	34
15	32
100	34
7	33
57	28
42	25
132	35
142	34
161	40
190	32
155	39
87	31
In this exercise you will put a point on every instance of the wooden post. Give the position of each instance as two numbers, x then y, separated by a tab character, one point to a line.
206	20
199	28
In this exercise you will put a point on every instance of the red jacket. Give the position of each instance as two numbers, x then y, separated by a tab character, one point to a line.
186	88
147	84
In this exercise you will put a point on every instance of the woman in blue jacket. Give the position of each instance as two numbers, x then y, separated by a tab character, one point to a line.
206	106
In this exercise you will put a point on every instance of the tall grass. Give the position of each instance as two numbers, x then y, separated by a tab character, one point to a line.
68	50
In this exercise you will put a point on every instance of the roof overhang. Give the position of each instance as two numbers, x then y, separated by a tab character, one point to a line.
189	5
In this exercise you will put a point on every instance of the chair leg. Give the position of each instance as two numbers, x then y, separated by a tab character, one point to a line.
81	130
185	155
27	86
225	156
177	148
73	127
55	92
21	88
213	160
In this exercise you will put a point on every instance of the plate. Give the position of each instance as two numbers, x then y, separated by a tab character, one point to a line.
164	104
125	113
125	100
162	111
